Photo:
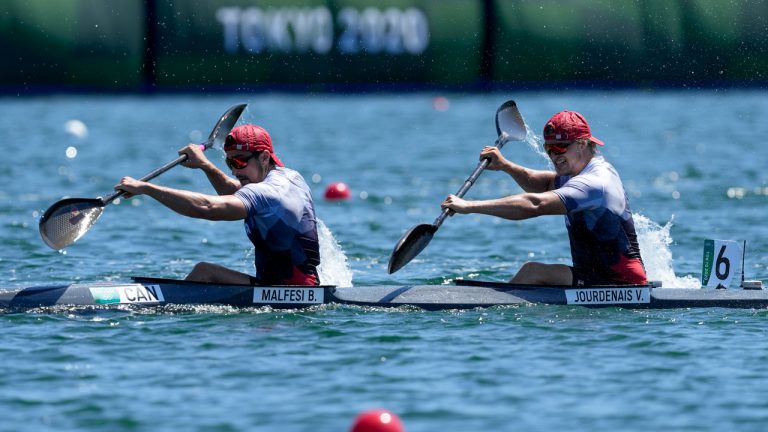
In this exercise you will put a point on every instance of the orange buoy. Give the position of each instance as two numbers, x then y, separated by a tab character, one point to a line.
337	191
377	420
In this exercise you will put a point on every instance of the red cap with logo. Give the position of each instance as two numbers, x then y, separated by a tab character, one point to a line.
251	138
567	126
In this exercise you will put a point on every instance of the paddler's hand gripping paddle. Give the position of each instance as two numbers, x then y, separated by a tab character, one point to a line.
69	219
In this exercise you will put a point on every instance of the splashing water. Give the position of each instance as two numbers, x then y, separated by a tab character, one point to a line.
334	268
654	242
534	141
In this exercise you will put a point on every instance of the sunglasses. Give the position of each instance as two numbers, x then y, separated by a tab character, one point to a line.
557	148
239	162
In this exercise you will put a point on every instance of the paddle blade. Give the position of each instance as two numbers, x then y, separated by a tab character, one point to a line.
411	244
509	121
224	126
68	220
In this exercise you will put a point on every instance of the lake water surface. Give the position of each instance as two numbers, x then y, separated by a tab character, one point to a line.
693	164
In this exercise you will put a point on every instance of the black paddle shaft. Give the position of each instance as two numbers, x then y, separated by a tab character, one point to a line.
218	134
114	195
509	126
481	166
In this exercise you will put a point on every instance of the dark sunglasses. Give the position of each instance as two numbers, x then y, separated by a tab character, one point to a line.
557	148
239	162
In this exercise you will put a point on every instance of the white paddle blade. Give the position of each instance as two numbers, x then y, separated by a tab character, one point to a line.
510	122
66	222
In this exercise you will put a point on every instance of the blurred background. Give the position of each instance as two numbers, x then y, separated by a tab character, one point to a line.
350	45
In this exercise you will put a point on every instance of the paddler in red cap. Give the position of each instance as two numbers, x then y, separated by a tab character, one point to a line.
274	202
587	190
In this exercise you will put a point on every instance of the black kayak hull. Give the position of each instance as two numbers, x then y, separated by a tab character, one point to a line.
462	295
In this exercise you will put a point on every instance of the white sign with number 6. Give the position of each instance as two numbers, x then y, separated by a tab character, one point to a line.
721	259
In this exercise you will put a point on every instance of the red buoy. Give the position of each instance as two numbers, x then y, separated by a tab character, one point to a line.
337	191
377	420
441	103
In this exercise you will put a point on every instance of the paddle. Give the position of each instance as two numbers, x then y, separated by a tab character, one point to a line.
509	126
69	219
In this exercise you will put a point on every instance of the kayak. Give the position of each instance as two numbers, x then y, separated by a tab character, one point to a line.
462	294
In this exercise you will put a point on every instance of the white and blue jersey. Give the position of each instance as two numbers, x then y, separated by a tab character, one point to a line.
281	225
602	233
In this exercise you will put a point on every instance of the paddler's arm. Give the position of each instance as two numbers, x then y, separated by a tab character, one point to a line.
528	179
223	184
514	207
187	203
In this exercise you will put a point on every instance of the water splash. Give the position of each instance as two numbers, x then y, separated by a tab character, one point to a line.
334	268
534	141
654	242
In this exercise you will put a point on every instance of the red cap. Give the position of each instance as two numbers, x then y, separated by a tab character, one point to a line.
251	138
377	420
567	126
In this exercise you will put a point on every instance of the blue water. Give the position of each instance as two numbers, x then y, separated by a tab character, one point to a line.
693	166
